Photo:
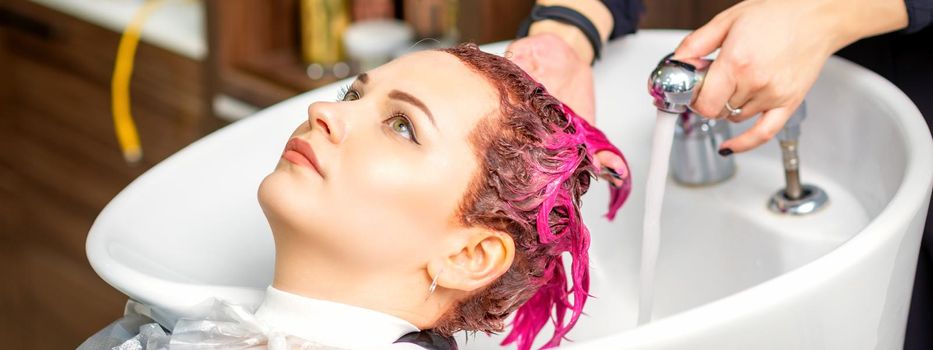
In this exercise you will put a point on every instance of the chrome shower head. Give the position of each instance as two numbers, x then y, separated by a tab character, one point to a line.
675	84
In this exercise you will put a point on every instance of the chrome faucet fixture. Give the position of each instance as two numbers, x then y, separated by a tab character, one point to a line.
674	85
795	198
695	159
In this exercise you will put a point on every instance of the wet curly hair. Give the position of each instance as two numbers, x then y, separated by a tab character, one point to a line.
536	161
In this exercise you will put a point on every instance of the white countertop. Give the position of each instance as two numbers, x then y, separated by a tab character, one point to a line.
177	25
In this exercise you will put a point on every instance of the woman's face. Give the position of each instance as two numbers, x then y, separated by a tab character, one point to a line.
392	161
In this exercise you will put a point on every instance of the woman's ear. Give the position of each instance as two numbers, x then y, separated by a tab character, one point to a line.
477	259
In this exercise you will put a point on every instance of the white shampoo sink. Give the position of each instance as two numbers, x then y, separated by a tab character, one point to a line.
731	274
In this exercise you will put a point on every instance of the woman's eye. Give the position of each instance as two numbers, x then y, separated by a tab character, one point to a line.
351	95
402	126
348	94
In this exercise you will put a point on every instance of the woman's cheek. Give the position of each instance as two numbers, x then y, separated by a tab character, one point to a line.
409	194
385	173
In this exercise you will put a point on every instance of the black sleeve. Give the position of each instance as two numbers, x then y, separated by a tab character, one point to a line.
919	12
626	13
430	340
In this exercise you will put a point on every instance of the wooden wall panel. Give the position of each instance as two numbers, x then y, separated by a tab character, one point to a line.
12	293
681	14
70	300
254	50
88	53
79	105
60	164
489	21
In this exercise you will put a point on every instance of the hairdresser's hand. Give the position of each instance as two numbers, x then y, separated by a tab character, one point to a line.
551	61
558	54
554	63
772	52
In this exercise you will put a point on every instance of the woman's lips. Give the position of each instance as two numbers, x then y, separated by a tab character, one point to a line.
300	153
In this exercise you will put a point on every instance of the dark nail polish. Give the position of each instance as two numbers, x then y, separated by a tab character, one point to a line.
612	173
613	176
725	152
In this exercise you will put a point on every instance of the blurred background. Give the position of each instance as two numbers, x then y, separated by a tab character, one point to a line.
199	65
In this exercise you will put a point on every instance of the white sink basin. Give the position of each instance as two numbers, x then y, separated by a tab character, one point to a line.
731	274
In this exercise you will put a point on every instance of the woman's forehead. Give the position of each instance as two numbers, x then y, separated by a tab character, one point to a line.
446	85
435	70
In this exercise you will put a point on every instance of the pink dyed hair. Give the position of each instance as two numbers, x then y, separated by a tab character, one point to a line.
536	161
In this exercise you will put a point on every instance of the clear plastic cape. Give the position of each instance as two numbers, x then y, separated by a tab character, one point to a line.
216	324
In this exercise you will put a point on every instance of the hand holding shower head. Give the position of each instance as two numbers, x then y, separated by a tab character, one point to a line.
675	84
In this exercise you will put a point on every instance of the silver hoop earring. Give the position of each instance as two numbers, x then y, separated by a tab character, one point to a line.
434	282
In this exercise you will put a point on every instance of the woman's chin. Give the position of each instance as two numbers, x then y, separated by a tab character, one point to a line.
286	197
278	192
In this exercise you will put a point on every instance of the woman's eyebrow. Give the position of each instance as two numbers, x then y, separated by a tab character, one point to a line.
363	78
404	96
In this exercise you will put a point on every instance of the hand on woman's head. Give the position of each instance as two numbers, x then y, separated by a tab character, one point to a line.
771	52
553	62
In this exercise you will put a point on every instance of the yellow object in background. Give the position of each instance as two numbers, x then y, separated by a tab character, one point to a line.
322	25
123	123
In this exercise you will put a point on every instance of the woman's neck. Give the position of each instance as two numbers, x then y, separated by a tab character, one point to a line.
329	323
302	272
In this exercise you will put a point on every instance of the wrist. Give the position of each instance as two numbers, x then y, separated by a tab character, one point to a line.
594	10
862	19
569	34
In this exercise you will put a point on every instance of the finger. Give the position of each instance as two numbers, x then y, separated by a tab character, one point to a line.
749	109
765	128
520	46
520	55
738	103
612	161
761	101
707	38
718	86
515	50
741	96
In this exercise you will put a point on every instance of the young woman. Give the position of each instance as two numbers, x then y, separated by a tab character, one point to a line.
438	194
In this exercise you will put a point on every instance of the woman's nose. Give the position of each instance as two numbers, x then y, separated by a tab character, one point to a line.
323	116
